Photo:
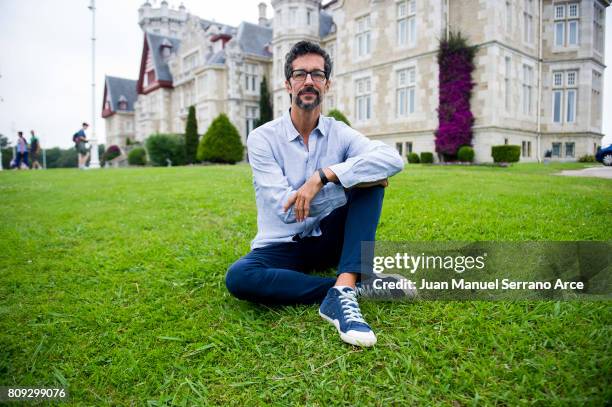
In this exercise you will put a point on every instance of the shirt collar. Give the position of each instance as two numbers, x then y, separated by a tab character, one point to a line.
291	131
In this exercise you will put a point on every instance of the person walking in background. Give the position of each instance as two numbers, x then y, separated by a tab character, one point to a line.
22	152
34	151
80	143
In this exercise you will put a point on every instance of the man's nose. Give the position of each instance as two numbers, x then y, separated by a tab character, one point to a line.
308	80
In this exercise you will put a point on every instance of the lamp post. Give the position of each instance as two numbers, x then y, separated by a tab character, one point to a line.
95	160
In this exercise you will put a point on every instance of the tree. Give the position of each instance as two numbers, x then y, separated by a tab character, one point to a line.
337	114
455	119
4	141
265	107
191	136
221	143
164	147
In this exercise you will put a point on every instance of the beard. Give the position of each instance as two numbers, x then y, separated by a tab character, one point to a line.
308	106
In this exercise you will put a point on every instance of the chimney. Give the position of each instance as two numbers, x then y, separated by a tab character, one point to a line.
263	21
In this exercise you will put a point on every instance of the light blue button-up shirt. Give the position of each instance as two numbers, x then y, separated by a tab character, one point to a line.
281	164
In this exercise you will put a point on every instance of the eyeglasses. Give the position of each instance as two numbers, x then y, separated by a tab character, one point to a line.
299	75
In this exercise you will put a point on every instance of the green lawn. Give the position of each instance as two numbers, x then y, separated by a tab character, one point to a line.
112	285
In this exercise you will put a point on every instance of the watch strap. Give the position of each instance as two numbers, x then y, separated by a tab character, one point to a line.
323	177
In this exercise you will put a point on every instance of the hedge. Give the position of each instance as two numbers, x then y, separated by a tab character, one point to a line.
506	153
427	158
338	115
413	158
137	156
161	147
465	154
221	143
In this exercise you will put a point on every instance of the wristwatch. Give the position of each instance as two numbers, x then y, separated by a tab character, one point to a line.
323	177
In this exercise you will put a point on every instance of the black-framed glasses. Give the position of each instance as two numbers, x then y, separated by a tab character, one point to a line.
299	75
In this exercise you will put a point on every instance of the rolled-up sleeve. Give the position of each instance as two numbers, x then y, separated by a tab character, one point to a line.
366	160
272	185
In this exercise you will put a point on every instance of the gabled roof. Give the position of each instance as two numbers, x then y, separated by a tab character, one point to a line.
155	42
223	28
253	39
326	24
120	88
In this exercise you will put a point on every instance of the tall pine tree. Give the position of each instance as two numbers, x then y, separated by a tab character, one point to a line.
265	107
191	136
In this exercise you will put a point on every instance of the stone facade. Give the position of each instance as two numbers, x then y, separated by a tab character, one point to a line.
538	70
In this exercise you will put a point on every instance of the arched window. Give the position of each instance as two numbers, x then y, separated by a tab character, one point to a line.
123	103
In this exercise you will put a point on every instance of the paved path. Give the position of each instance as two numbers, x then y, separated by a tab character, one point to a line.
598	172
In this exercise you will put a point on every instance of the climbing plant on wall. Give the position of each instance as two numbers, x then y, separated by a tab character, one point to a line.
455	119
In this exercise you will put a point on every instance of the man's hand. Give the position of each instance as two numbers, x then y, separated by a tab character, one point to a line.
303	196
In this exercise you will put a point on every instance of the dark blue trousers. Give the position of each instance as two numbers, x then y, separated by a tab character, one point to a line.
280	273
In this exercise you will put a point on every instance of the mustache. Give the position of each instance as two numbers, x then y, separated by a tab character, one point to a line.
309	89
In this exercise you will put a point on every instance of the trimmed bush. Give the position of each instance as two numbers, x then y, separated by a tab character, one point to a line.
465	154
191	136
427	158
265	107
137	156
337	114
221	143
413	158
111	153
161	147
506	153
587	158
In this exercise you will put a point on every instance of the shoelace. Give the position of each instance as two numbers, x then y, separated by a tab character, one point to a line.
350	307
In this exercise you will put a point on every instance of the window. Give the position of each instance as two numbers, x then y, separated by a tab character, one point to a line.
250	74
399	147
528	22
507	84
252	114
123	103
408	147
362	39
405	92
596	98
202	84
527	88
526	149
278	20
567	25
309	17
598	28
331	51
279	62
508	16
292	16
569	149
406	22
556	149
330	101
190	61
564	96
363	103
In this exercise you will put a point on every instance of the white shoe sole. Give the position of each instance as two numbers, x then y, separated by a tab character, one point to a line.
347	338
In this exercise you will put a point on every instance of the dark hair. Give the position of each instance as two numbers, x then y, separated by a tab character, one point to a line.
303	48
85	124
20	133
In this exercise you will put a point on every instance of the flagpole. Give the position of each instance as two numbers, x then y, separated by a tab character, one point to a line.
95	160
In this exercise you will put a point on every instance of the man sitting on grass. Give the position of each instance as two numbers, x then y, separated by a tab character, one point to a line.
319	187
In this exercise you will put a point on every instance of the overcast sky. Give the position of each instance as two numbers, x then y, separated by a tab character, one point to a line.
45	62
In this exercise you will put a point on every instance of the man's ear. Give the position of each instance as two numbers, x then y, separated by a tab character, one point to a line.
327	85
288	86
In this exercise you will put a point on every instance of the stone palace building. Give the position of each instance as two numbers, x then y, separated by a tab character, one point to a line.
538	77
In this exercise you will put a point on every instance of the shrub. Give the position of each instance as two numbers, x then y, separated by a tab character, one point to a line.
191	136
506	153
111	153
137	156
337	114
166	146
413	158
587	158
465	154
221	143
427	158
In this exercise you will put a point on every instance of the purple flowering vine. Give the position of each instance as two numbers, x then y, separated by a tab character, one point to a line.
455	119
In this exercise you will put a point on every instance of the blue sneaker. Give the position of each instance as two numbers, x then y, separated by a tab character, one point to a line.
341	309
